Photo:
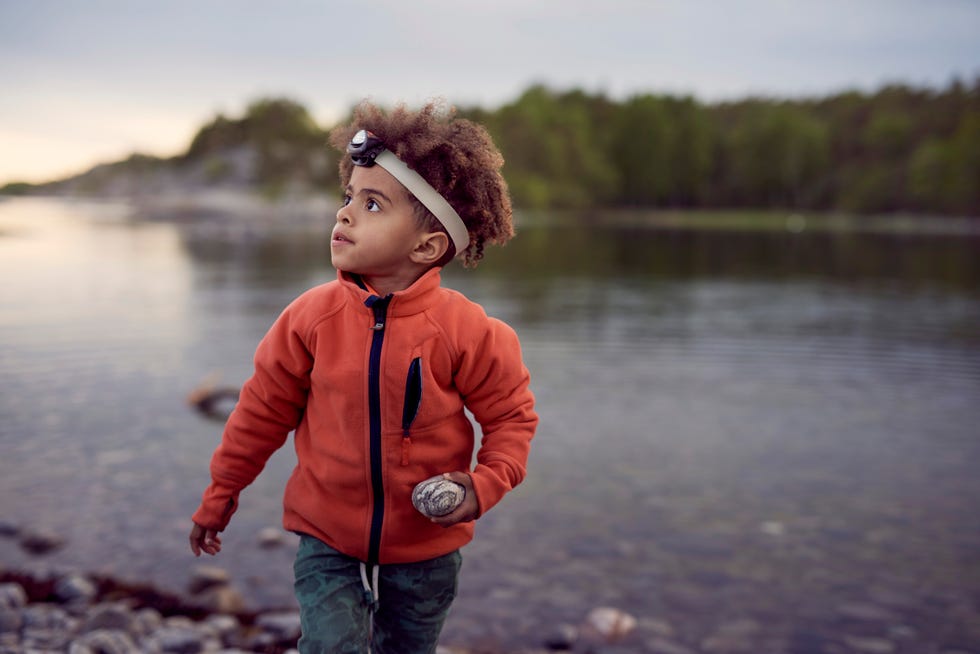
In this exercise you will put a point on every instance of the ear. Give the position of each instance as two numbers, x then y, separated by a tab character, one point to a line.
430	248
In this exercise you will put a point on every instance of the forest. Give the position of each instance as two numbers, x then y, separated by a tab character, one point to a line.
899	149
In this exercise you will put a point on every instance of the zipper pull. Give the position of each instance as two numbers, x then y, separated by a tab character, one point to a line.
406	446
380	308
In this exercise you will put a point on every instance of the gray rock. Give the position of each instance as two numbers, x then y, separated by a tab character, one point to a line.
41	541
11	621
867	645
865	612
116	617
271	537
223	625
104	641
221	599
563	637
665	646
46	627
147	621
207	576
12	596
182	640
437	496
75	588
282	625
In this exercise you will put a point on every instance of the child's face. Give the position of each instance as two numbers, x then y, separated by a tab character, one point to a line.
376	230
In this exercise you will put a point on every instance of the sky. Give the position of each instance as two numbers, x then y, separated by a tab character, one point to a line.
90	81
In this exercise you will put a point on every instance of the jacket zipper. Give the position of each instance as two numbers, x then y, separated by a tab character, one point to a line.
380	308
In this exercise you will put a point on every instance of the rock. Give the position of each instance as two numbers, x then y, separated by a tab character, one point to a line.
656	627
609	624
11	621
12	596
437	496
104	641
865	612
773	528
75	588
207	576
869	645
46	627
224	626
41	542
562	638
111	617
665	646
147	621
179	639
282	625
221	599
734	636
271	537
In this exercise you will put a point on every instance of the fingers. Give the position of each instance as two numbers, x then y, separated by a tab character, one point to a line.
204	540
467	510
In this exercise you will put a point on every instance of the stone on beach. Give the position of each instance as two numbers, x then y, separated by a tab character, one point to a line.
207	576
41	541
270	537
609	623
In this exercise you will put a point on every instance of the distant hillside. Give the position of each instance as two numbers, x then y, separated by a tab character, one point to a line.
276	149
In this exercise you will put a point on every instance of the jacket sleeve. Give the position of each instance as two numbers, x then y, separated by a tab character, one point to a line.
270	405
495	383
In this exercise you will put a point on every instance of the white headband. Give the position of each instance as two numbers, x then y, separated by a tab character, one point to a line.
428	196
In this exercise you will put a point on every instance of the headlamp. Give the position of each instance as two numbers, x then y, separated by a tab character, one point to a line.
366	149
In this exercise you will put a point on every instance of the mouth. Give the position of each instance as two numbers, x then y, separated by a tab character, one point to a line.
339	238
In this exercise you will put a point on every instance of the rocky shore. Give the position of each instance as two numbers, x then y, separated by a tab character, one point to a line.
50	610
87	614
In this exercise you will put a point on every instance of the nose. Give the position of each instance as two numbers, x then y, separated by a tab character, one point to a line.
342	215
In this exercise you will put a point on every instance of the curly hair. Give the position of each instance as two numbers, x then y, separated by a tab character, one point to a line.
455	156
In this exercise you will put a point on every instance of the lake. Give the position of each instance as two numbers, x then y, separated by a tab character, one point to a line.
769	434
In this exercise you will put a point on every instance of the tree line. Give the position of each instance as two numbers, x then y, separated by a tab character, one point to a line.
897	149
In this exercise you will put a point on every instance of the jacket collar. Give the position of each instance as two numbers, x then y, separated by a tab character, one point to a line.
414	299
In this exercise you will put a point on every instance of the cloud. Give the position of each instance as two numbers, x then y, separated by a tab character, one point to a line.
114	67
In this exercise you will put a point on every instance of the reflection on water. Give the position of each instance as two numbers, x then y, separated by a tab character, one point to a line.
775	427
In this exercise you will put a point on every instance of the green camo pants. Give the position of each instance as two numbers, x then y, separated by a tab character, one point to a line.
412	602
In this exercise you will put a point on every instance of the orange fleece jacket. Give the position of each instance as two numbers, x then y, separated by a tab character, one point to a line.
312	376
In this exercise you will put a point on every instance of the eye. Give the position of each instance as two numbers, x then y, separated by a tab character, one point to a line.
346	199
372	205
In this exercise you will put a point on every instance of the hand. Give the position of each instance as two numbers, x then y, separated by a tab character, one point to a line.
204	540
466	511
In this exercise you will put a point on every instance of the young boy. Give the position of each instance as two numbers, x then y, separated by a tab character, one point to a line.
373	372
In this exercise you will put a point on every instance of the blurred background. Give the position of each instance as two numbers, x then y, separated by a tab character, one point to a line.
746	281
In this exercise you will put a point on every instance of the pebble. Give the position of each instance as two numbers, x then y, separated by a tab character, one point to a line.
283	625
75	587
12	596
869	645
610	623
41	542
207	576
665	646
271	537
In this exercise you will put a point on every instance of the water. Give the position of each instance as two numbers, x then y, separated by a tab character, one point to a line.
763	426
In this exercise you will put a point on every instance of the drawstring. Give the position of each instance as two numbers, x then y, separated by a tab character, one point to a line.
371	595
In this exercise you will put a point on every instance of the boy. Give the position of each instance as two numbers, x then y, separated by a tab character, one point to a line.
373	372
